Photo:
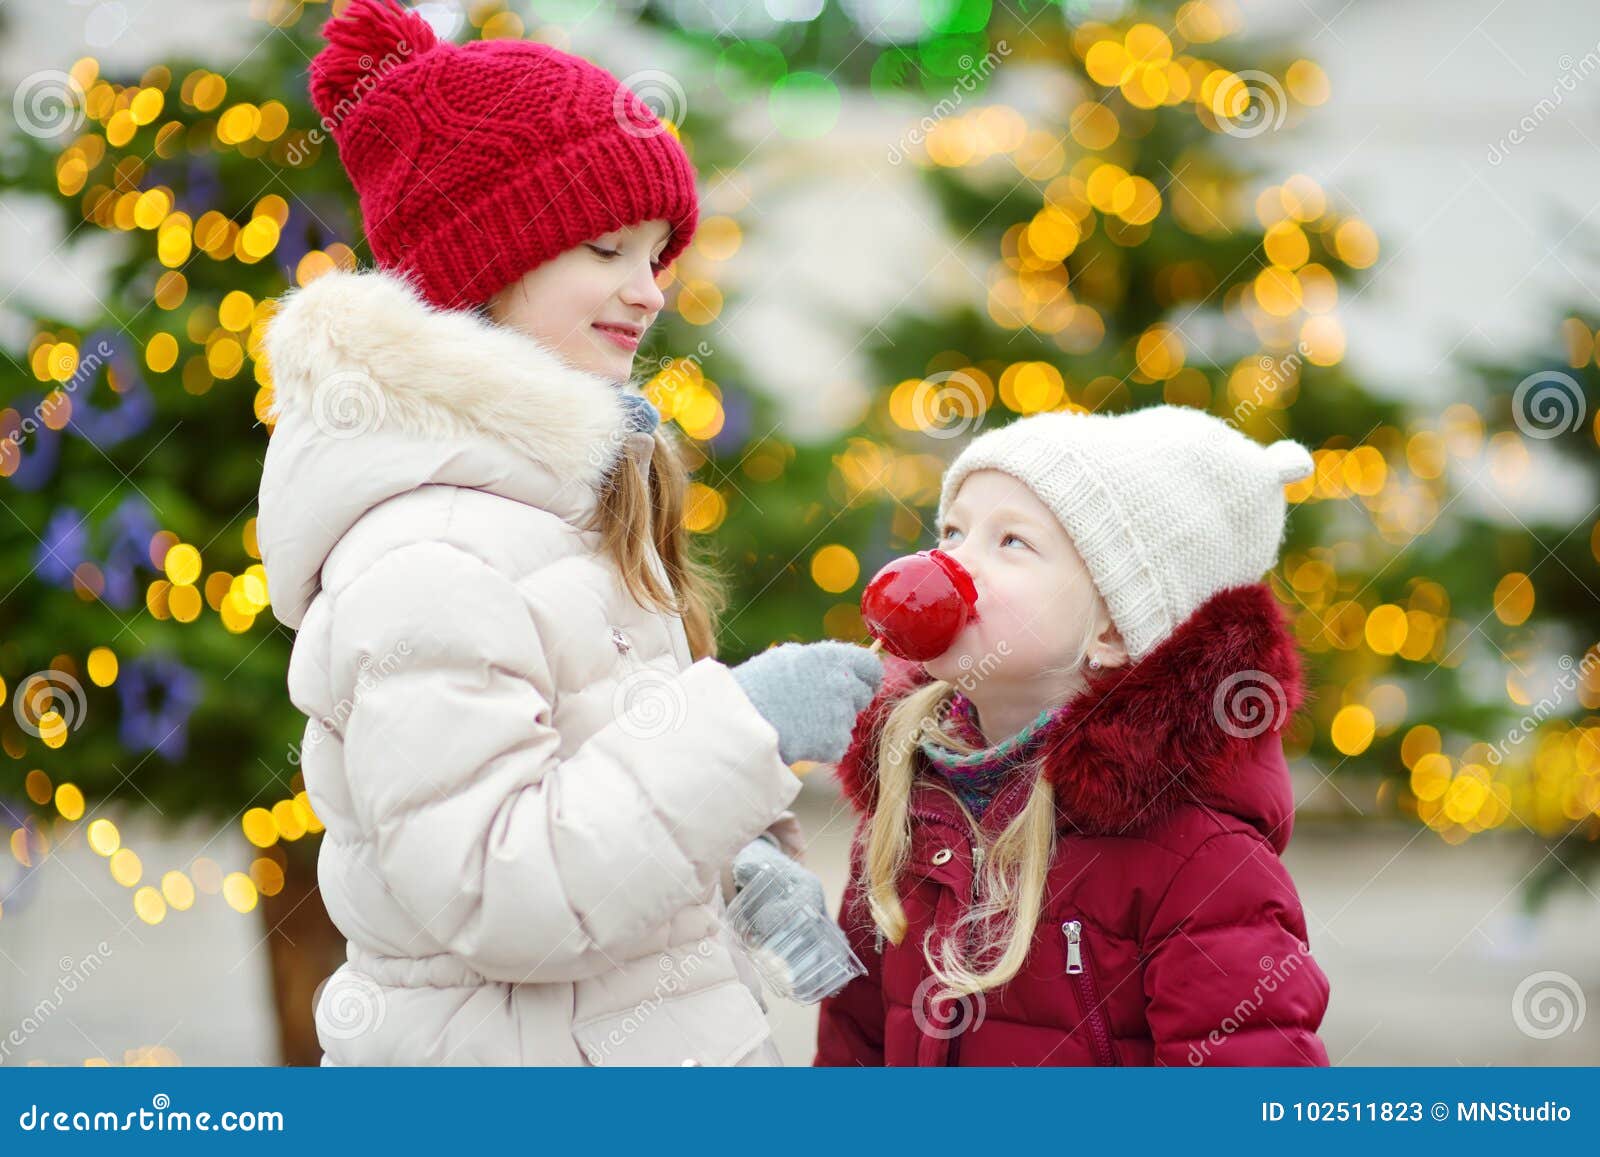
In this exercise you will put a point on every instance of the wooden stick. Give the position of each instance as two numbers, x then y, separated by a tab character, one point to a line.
877	645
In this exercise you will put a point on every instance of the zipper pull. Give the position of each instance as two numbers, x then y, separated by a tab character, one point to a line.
977	867
877	940
1074	931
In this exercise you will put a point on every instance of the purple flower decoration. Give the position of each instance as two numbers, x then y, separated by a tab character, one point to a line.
198	190
131	528
735	421
63	547
158	695
135	408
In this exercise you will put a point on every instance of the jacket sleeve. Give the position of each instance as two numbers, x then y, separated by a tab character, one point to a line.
529	864
850	1022
1229	976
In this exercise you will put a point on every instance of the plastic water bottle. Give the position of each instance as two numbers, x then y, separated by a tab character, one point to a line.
801	953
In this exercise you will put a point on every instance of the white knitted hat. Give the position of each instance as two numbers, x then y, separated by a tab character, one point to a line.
1167	505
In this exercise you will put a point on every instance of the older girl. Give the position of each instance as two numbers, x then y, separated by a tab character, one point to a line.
533	775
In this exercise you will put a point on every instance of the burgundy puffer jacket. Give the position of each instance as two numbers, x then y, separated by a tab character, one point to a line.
1171	933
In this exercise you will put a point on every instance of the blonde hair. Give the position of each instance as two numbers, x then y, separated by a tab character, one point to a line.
988	943
638	516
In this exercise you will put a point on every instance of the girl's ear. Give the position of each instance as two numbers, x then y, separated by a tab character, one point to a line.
1109	648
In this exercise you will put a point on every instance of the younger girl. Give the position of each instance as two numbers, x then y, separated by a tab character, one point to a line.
1071	820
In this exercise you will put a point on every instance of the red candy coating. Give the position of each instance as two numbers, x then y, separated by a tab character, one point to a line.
918	604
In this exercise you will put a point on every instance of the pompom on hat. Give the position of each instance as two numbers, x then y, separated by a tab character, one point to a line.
1167	505
476	163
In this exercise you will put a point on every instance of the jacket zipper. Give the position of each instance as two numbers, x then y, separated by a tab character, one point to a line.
1082	979
1088	994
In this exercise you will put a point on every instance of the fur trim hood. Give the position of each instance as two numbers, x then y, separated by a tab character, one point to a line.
376	393
1197	720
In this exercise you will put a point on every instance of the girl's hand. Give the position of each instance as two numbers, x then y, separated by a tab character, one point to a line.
811	693
781	917
763	852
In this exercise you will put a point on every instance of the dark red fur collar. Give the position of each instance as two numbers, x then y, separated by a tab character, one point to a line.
1197	719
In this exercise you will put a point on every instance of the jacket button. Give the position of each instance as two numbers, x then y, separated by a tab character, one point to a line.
942	856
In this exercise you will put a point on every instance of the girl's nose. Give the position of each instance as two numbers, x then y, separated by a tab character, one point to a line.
642	292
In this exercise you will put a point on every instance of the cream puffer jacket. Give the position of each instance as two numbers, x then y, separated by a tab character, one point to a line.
531	794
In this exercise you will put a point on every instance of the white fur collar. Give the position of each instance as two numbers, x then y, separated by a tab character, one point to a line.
365	347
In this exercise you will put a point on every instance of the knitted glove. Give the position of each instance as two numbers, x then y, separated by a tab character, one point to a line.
772	921
764	851
811	693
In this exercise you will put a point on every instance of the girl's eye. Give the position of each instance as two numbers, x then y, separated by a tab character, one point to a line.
1013	538
948	533
601	251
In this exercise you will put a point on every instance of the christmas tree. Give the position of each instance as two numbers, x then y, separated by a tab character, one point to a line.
1138	251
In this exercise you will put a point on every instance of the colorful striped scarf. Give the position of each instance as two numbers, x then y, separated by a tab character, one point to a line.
977	778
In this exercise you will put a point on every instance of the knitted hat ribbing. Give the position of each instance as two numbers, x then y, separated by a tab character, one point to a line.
1166	505
476	163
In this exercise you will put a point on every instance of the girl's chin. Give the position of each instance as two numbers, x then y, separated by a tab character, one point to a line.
615	369
961	657
608	359
946	667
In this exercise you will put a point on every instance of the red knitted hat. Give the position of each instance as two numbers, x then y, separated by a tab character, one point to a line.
476	163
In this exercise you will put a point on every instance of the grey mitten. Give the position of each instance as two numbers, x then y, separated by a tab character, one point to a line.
781	916
811	693
763	852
